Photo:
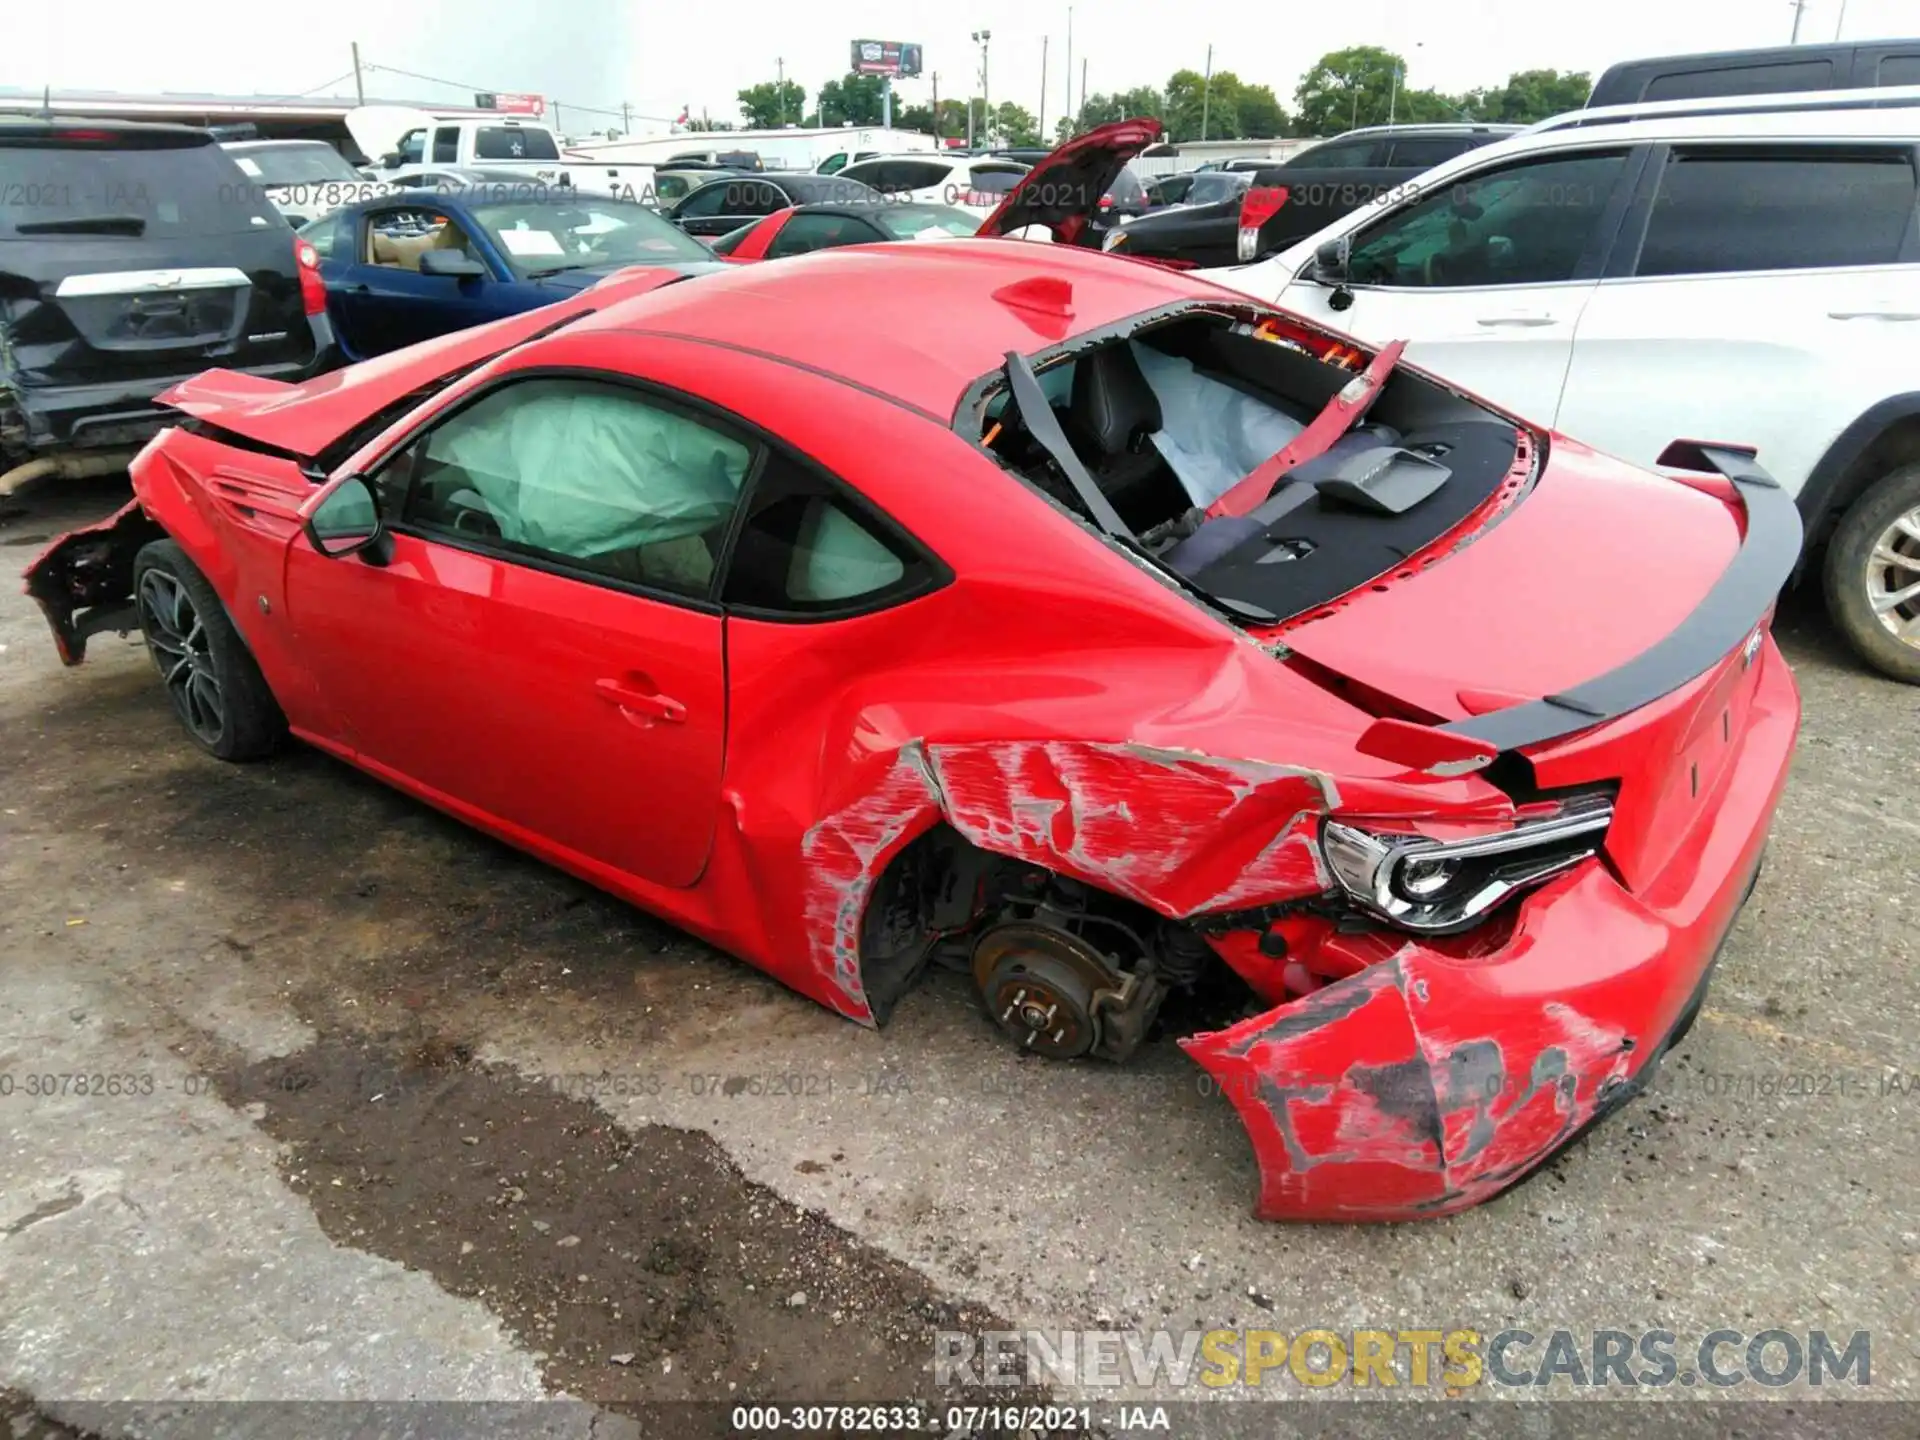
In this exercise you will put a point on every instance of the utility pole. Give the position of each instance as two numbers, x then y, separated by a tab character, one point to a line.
980	38
626	117
886	102
1841	23
1043	89
1071	112
1083	84
936	109
1393	95
1799	9
359	94
780	86
1206	95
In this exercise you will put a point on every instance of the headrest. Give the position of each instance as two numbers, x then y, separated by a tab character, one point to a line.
1112	401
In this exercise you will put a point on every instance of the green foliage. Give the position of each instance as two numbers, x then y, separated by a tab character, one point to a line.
1530	95
771	104
851	100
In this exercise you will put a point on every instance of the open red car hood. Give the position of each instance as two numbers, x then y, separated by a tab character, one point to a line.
1063	191
1595	565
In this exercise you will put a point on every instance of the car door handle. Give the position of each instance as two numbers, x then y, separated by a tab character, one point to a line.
637	696
359	289
1520	319
1886	314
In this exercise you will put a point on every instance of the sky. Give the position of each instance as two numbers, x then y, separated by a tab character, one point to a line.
658	57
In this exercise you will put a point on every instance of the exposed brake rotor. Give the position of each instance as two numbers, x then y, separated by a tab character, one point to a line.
1045	987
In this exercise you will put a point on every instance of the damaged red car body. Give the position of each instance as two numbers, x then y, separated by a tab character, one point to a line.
1452	752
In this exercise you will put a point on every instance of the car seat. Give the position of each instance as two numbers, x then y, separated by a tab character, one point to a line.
1112	417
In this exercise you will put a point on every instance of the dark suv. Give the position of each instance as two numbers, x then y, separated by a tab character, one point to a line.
133	257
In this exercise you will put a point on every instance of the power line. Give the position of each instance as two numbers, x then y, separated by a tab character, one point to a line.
487	89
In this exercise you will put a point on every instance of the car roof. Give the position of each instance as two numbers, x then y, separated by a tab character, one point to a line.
1437	127
29	126
796	311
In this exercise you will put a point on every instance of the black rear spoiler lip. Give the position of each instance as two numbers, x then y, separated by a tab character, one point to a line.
1725	620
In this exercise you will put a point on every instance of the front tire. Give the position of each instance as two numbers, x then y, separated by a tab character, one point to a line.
217	692
1872	575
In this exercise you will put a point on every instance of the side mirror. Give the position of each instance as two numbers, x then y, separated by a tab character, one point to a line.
390	160
455	263
348	522
1332	266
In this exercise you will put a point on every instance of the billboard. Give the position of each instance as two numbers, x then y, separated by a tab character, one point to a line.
511	104
886	57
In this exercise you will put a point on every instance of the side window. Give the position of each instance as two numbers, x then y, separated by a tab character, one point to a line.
1722	211
1741	80
1423	152
709	199
411	147
833	164
446	145
807	548
1338	155
1531	223
595	476
398	237
803	233
1899	70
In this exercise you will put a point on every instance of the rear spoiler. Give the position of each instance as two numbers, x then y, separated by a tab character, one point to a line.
1727	618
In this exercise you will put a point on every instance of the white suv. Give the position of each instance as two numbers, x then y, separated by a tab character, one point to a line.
977	182
1743	269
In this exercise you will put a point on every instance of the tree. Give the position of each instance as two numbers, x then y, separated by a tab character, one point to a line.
1013	125
771	104
1529	95
1348	88
952	118
850	100
1261	114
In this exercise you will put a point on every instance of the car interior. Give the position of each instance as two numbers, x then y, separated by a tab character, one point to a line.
1166	420
401	246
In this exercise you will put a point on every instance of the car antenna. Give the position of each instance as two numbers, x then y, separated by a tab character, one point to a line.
46	103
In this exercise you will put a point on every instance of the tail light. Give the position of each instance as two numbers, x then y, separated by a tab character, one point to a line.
1260	204
313	290
1106	201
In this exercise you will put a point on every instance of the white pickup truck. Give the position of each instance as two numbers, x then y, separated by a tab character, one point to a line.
398	140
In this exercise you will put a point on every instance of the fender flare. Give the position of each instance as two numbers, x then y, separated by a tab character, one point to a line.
1837	480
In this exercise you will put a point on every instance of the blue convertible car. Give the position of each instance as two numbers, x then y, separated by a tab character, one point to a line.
421	263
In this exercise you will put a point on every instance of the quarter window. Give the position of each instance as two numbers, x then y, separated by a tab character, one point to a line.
1533	223
1723	211
593	476
446	145
806	548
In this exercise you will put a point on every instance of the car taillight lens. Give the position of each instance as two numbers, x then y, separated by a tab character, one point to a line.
1260	204
1106	202
313	290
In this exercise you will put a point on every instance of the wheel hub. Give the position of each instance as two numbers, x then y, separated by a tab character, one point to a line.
1893	579
1043	987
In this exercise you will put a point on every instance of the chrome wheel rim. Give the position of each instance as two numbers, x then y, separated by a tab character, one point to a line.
1893	579
178	641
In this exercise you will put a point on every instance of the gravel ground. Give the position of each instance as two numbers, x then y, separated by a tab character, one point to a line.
404	1116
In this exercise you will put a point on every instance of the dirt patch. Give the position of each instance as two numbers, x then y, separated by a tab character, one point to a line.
22	1420
638	1265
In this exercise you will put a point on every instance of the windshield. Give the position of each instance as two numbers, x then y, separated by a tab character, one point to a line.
144	189
539	239
908	222
294	165
1215	186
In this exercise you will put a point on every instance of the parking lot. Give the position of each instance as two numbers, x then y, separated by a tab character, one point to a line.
389	1111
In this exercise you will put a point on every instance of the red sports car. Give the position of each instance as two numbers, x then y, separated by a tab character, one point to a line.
1113	637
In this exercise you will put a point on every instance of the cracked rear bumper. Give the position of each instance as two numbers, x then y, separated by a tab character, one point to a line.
1429	1083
